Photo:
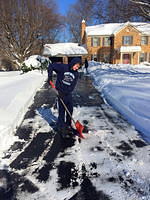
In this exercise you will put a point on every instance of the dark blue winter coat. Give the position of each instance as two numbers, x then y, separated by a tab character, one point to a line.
66	77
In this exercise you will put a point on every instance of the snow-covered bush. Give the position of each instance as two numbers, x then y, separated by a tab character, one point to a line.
35	62
145	63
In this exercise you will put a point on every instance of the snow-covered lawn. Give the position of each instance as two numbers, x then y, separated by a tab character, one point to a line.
127	89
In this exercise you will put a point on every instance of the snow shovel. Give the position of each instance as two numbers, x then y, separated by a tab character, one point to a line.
78	125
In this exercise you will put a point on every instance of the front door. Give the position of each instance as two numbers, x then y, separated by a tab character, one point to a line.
126	58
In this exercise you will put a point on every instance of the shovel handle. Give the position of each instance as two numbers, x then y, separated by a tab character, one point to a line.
53	86
79	127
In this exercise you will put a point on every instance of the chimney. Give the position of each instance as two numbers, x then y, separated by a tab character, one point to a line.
83	27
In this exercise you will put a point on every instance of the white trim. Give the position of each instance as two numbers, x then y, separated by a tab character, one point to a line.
128	49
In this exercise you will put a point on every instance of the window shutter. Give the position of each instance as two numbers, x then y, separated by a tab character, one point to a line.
145	57
91	42
103	41
99	41
131	40
123	40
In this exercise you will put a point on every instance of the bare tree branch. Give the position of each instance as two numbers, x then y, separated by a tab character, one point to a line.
24	26
80	10
144	6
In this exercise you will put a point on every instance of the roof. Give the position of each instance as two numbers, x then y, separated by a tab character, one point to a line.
64	49
113	28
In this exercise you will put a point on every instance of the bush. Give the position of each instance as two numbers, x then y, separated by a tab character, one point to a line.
35	62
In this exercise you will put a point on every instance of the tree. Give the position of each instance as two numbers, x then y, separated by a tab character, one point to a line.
77	12
126	12
117	11
144	6
100	11
24	26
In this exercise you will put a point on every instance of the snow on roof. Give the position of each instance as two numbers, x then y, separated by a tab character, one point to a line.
143	27
130	49
102	29
112	28
64	49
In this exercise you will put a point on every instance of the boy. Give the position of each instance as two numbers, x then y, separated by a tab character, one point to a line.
67	76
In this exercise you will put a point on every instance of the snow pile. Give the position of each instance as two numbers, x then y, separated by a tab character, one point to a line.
17	92
127	89
35	62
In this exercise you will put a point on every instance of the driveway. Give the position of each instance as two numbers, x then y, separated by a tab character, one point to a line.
45	166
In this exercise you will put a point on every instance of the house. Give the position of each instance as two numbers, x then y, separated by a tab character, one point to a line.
117	43
64	52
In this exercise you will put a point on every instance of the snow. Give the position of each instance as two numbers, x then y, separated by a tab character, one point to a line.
32	61
143	27
112	28
17	92
87	153
127	89
35	61
64	49
103	29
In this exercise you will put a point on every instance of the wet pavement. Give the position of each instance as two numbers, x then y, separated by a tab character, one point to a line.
37	151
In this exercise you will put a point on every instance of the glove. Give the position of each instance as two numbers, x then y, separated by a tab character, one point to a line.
52	84
49	79
53	87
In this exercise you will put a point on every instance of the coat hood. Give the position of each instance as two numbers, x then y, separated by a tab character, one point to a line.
75	61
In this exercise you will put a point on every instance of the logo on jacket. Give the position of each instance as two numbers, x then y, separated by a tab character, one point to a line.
68	78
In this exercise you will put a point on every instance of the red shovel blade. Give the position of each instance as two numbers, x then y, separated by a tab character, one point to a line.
79	128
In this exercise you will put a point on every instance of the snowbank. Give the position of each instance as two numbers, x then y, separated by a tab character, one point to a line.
127	89
17	92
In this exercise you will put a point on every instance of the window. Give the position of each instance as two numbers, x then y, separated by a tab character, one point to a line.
106	41
95	41
127	40
143	57
144	40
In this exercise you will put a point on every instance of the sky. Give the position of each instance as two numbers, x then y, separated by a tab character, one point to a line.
104	146
64	4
